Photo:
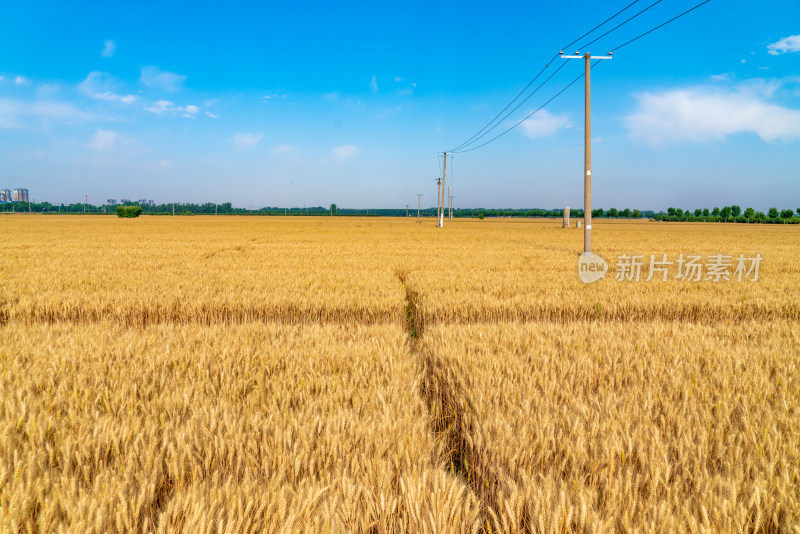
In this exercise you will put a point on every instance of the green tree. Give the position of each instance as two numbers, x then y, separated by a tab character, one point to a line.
786	214
598	212
129	212
715	212
706	213
773	213
672	211
613	212
725	212
637	214
736	210
334	209
698	212
627	213
749	213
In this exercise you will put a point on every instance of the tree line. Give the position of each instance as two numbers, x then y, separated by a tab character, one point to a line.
726	214
731	214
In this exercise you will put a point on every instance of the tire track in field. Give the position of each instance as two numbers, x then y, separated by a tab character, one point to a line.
446	399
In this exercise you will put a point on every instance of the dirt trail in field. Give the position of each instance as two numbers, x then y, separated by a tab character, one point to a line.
447	401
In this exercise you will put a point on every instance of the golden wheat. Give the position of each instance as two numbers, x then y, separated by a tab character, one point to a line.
248	428
246	374
602	426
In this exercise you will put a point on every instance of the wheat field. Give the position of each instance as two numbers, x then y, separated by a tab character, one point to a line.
282	374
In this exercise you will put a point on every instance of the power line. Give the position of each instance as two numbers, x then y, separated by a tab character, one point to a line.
462	150
570	84
473	138
660	25
513	110
621	24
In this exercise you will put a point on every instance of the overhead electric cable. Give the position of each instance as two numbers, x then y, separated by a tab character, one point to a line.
570	84
621	24
659	26
513	110
473	138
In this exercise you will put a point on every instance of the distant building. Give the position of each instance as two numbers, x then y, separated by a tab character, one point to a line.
124	201
5	195
111	201
20	195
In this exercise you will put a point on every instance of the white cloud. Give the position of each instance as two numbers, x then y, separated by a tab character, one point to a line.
161	165
344	152
162	79
787	44
20	80
212	115
108	48
193	110
243	141
102	86
285	150
544	124
722	77
160	107
104	140
373	85
711	113
18	114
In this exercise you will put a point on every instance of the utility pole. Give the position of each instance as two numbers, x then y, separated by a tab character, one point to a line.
587	143
173	208
406	211
438	201
419	201
444	174
449	205
215	208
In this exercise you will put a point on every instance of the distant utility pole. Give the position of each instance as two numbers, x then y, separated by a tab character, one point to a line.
438	201
215	208
587	143
419	201
449	205
406	210
173	208
444	174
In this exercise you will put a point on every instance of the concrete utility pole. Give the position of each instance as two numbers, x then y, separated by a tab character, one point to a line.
449	205
444	174
438	200
587	143
419	201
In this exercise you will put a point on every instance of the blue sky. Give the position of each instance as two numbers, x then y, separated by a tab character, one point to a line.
286	104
